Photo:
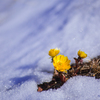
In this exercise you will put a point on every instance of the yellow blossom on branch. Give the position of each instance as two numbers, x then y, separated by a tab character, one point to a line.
54	52
82	54
61	63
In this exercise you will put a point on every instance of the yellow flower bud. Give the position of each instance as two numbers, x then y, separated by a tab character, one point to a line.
61	63
82	54
54	52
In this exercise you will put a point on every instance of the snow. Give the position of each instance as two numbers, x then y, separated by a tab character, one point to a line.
29	29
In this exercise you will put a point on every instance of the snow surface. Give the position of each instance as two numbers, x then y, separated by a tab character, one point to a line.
29	29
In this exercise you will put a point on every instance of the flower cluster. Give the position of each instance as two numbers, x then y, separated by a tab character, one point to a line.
60	62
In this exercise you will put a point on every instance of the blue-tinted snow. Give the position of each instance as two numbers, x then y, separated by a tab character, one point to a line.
29	29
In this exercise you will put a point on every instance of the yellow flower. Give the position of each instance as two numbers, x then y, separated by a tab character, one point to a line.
82	54
61	63
54	52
